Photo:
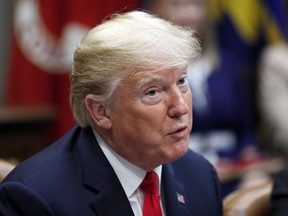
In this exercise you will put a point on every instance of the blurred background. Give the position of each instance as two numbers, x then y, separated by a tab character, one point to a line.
239	85
6	14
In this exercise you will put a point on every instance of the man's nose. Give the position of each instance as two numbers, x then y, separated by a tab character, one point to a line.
178	104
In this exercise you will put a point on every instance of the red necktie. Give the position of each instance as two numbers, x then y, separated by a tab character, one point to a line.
152	198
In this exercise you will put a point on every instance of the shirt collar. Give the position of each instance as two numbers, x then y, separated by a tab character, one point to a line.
129	175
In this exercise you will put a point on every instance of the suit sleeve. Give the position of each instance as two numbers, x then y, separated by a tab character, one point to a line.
279	197
17	199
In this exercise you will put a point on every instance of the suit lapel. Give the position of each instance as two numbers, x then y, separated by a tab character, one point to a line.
174	194
110	198
111	201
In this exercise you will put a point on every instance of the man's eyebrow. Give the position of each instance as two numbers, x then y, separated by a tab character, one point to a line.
146	80
151	79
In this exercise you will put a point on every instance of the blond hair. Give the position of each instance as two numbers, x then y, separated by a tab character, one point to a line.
126	43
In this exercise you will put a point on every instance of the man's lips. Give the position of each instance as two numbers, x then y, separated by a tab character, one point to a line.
179	132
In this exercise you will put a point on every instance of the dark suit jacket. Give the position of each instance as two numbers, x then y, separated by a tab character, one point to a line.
73	177
279	198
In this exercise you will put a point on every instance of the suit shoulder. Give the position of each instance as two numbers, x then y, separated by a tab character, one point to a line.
45	160
193	157
194	164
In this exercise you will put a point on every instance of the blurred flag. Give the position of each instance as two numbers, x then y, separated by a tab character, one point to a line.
238	25
245	15
276	20
45	35
246	26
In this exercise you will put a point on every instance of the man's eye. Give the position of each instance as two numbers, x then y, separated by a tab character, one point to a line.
182	81
152	92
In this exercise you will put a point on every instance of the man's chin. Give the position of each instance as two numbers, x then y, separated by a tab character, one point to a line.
181	150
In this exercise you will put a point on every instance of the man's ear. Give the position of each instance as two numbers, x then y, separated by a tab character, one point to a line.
99	114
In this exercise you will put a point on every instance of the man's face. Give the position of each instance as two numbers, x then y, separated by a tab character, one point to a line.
151	118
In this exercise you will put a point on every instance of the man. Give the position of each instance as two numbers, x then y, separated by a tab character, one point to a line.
131	98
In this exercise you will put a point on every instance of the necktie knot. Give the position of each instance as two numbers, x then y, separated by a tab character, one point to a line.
150	184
